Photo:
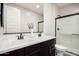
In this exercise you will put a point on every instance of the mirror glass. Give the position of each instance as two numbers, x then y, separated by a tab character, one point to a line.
22	17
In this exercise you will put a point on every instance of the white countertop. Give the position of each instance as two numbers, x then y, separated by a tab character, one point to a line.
8	44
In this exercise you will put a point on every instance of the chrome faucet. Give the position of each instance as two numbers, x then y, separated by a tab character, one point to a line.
21	36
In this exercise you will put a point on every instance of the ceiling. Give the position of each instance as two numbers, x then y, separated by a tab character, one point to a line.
32	6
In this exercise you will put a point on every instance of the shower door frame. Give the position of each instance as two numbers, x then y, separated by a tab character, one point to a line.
60	17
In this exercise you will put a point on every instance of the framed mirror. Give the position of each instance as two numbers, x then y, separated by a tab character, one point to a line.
19	19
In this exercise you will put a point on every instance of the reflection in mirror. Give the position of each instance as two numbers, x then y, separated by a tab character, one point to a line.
20	18
40	26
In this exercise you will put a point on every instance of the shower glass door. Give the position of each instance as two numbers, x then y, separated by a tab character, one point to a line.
67	33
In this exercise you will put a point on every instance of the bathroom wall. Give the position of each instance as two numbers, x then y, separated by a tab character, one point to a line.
69	41
49	19
26	16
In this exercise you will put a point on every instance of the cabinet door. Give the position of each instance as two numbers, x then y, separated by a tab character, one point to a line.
33	50
19	52
44	51
35	53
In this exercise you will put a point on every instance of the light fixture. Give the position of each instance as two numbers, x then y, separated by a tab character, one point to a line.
37	6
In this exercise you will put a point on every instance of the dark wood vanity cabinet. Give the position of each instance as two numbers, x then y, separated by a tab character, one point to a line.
46	48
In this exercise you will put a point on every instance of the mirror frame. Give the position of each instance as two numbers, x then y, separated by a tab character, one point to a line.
1	20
